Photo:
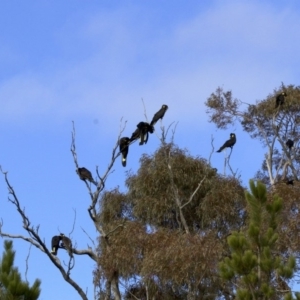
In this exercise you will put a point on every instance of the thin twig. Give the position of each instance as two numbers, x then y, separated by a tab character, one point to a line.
27	258
145	110
74	222
35	239
88	236
212	148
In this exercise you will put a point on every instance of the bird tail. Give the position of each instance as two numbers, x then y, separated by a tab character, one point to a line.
68	249
54	251
123	161
146	136
142	140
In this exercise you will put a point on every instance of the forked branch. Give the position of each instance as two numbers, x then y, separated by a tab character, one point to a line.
95	196
36	240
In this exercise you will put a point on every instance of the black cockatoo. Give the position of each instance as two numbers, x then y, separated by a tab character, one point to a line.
159	115
66	243
55	244
290	143
142	132
124	148
230	143
280	99
85	174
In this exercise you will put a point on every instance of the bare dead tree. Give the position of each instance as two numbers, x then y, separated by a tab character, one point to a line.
102	179
35	240
33	231
112	283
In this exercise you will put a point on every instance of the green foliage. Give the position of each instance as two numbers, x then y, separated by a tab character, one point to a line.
12	286
179	218
169	228
253	264
272	126
172	173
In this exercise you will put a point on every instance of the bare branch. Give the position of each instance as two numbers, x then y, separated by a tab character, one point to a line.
279	167
73	146
27	258
88	236
194	193
88	252
212	148
29	240
175	192
73	222
164	132
145	110
71	264
173	131
228	163
36	240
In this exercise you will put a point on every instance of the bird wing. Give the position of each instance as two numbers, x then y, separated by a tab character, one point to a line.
157	116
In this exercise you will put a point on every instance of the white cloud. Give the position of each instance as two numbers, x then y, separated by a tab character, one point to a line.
238	45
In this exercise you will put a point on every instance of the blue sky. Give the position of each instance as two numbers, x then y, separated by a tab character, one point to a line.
92	62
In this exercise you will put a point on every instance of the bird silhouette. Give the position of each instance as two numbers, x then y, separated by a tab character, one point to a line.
124	148
280	99
229	143
289	143
55	244
142	132
159	115
67	244
85	174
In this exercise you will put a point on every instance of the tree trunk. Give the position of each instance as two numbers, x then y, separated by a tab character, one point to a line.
115	286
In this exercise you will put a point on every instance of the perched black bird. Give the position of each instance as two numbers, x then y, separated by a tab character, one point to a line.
290	182
280	99
159	115
66	243
230	143
135	135
142	132
85	174
55	244
124	147
290	143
